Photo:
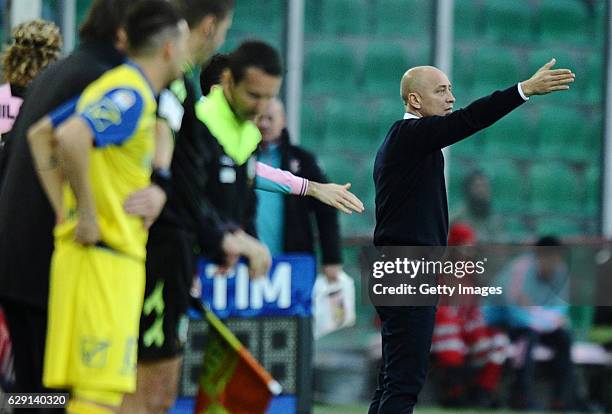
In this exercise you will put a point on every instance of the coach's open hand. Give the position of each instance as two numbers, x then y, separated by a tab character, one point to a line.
547	80
335	195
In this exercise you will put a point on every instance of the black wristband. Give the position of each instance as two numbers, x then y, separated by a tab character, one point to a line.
162	177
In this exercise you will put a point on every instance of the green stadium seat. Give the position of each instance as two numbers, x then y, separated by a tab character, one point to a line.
560	227
495	68
312	131
594	79
468	18
517	229
554	189
385	114
508	21
349	131
470	148
462	76
563	22
383	69
342	17
329	69
341	168
565	59
257	18
403	18
312	17
562	134
513	136
507	186
592	181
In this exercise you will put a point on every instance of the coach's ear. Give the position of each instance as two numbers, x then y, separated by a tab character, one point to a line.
414	100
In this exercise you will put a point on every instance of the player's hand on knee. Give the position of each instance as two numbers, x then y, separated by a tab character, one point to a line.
87	230
547	80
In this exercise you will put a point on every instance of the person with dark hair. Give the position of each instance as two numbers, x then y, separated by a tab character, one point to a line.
26	234
105	140
211	73
535	310
412	209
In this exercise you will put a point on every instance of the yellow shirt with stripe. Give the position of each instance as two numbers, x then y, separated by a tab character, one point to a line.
120	108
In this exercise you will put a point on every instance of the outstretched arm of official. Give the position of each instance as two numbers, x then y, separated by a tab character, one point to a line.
281	181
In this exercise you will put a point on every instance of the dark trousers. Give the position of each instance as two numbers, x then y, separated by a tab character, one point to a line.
562	369
406	341
28	329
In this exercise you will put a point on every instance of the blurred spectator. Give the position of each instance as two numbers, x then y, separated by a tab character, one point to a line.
35	44
463	344
284	221
535	311
477	209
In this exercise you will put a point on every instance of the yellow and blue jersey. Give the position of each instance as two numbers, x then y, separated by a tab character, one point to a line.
120	108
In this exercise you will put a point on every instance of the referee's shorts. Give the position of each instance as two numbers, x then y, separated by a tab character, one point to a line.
169	272
95	302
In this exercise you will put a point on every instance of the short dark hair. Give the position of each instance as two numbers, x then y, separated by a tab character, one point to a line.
257	54
103	19
211	73
146	19
548	240
193	11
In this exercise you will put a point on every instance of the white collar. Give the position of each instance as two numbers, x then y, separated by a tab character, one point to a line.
408	115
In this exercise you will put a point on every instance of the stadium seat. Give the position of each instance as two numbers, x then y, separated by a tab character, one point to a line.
329	69
256	18
462	76
513	136
560	227
508	187
554	189
385	114
384	66
565	59
563	22
341	168
312	17
349	131
468	18
562	134
508	21
342	17
403	18
470	148
516	229
592	183
495	68
312	132
594	90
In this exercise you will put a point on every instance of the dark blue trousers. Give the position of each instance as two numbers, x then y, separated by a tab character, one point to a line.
406	341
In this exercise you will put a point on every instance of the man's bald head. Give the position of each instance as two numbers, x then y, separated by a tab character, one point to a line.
272	121
426	91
